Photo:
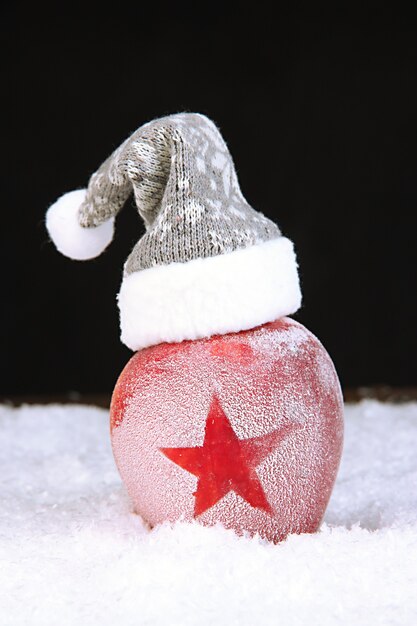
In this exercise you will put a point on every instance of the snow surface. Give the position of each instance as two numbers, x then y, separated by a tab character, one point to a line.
71	551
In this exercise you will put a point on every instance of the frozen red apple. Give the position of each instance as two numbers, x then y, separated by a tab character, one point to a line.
244	429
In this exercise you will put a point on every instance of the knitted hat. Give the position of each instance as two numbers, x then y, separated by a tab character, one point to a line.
208	263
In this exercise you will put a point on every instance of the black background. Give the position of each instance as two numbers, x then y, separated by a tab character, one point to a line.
319	111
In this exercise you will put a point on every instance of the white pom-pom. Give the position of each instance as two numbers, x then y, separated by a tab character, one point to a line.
71	239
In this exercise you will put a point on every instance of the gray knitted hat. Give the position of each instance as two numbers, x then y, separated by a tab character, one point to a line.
208	263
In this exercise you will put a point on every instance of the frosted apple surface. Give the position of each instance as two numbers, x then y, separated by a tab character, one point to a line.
244	429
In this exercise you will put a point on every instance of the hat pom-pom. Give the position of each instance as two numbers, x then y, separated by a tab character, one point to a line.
72	239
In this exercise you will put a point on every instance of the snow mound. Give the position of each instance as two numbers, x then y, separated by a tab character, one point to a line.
72	552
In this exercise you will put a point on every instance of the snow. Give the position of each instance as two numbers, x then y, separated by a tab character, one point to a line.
71	551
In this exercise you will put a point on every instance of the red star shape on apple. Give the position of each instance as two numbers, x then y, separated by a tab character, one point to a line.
225	463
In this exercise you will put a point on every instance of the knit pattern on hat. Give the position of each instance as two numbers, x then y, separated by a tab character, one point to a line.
186	190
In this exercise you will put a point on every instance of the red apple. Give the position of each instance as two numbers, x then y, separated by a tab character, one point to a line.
245	429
